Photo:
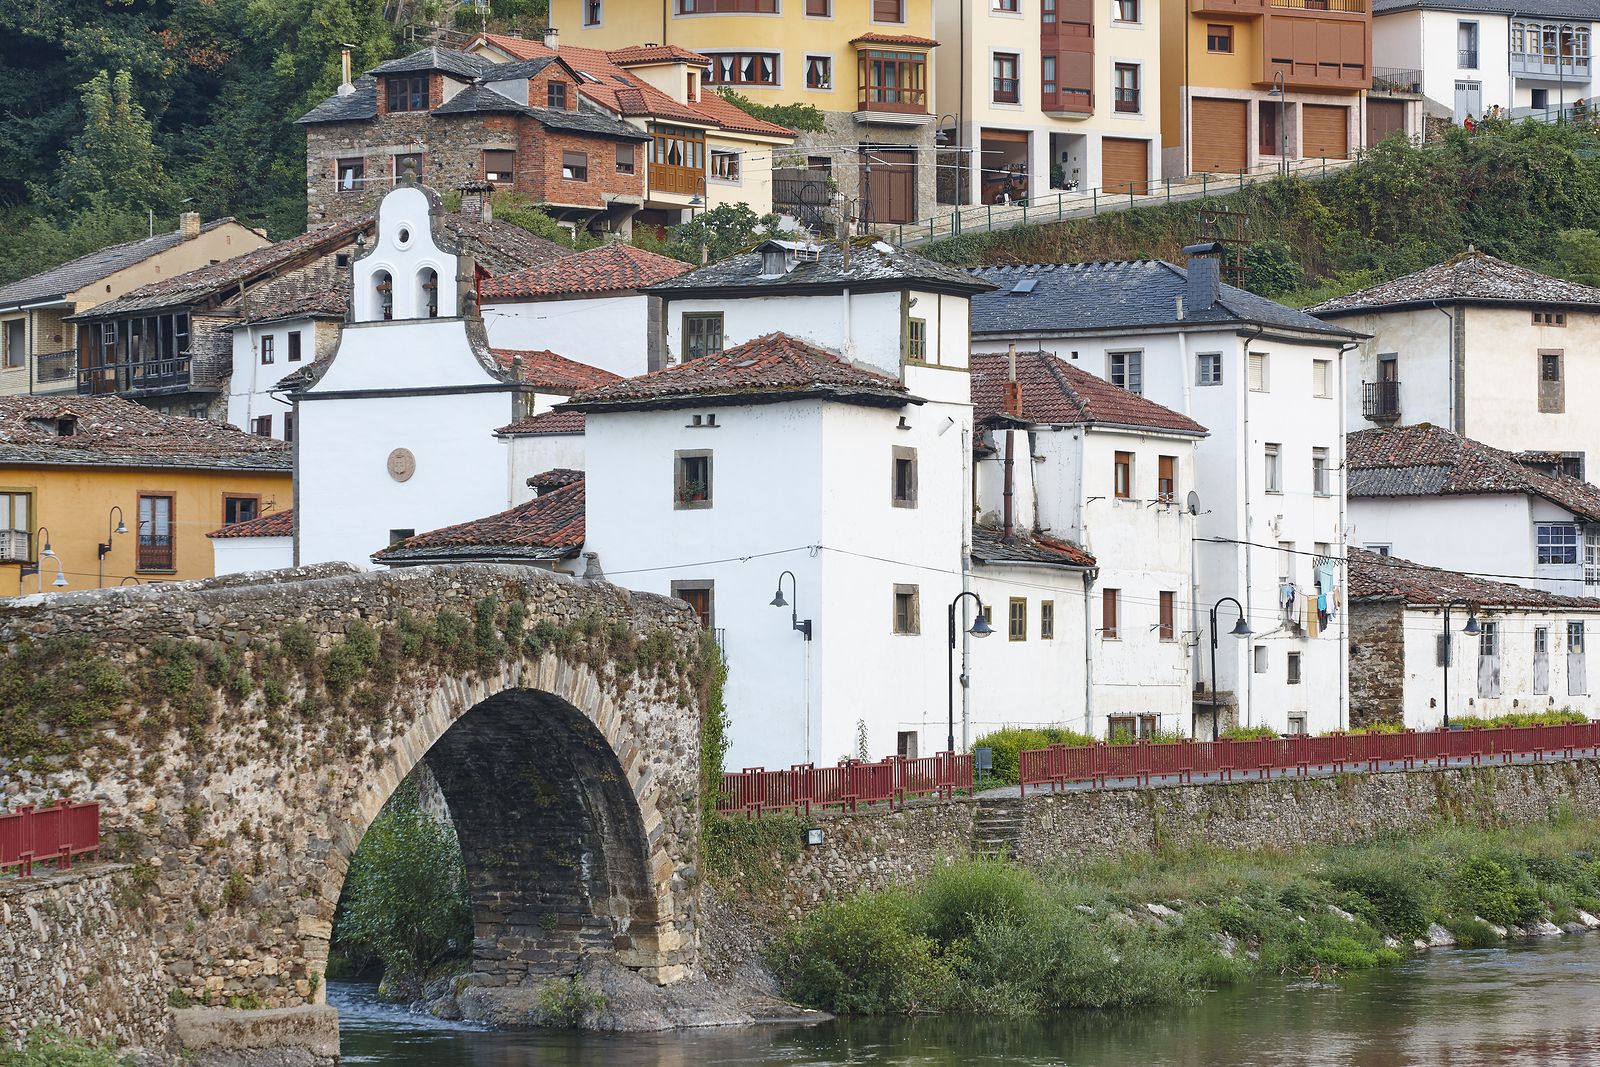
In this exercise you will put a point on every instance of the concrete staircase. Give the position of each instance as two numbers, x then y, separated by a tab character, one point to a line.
997	827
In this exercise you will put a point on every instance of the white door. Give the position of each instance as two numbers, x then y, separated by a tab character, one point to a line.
1541	660
1577	679
1469	101
1489	661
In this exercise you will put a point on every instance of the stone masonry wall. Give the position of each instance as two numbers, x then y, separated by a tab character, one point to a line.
1377	664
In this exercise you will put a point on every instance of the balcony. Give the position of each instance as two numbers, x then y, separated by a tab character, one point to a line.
156	552
892	98
1391	81
174	374
1380	401
1467	58
1068	102
1570	68
1237	8
55	372
1348	7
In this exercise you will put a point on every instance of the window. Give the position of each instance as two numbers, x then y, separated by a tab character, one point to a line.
1005	78
1467	45
352	174
917	340
1552	391
903	476
155	533
1047	75
15	512
907	610
591	12
240	509
1319	471
1258	372
428	292
1274	469
1011	6
732	7
819	72
1017	619
1541	660
905	744
1166	626
575	166
1379	550
1219	38
724	165
702	334
1557	544
288	426
1127	370
1109	599
267	344
691	481
1167	478
1122	476
1125	81
1488	640
1286	558
1208	368
294	346
1047	620
409	164
624	157
1124	728
407	92
1259	659
396	536
1126	10
1322	378
742	68
1549	318
701	596
1575	638
499	165
262	426
896	81
1292	663
555	95
383	285
819	9
888	11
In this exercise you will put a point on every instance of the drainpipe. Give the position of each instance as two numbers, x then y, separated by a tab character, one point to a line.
1344	551
1249	599
1013	408
1088	653
1194	574
968	494
1450	348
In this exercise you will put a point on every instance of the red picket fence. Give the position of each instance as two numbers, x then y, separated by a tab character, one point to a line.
42	835
1061	765
755	789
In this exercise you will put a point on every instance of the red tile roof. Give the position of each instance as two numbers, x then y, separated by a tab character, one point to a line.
990	546
1057	393
656	53
108	431
547	423
774	364
907	40
550	526
611	268
272	524
1380	579
553	373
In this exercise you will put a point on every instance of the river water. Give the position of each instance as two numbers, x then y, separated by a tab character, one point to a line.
1507	1007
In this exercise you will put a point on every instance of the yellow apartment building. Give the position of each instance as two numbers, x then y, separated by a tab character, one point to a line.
79	473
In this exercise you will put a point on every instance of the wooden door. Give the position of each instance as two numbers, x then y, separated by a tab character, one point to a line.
1125	165
889	185
1218	129
1324	131
1383	118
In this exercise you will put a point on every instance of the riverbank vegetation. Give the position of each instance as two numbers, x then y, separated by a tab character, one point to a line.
46	1046
988	937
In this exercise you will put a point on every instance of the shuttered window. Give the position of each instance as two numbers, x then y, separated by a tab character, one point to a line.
1258	372
1108	613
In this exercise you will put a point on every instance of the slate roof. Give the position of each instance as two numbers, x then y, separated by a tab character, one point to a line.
354	107
1473	277
873	263
449	60
546	424
500	247
586	118
272	524
770	368
610	268
1389	579
1095	297
1583	10
68	277
112	432
553	373
303	378
548	527
1055	392
520	70
989	546
904	40
319	303
1419	461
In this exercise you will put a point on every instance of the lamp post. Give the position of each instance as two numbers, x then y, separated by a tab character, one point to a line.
980	628
105	546
1281	91
804	627
795	621
1472	628
1240	629
37	567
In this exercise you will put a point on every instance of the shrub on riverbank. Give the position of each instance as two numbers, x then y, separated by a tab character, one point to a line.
986	937
45	1046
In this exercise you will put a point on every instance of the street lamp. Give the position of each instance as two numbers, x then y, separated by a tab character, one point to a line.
1471	628
980	628
1281	91
105	546
36	568
1240	629
803	625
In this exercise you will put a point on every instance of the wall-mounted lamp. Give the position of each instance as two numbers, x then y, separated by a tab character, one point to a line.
105	546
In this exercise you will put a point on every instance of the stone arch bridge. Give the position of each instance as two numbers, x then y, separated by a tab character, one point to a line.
242	733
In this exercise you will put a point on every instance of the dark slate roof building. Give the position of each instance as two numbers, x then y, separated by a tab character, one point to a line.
356	106
779	266
446	60
73	275
1471	278
1056	393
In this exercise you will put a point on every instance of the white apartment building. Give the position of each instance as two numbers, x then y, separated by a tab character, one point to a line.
1266	382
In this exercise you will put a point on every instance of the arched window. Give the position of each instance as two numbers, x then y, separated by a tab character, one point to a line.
428	292
383	289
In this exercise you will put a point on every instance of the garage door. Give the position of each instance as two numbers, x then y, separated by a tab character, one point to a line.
1218	130
1325	132
1383	118
1125	165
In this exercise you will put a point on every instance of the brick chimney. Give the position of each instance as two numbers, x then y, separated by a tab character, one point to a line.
189	225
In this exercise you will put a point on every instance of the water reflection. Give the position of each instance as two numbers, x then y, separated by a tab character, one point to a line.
1515	1007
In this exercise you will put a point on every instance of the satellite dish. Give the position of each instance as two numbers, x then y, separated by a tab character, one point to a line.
1192	502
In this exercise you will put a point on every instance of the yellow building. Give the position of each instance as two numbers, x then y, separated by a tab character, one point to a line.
77	473
865	64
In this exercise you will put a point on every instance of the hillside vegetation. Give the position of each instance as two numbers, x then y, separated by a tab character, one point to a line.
1527	192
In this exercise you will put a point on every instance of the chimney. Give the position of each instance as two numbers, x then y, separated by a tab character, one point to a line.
189	225
552	38
346	86
1205	276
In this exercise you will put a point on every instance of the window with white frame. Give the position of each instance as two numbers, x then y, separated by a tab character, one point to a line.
1319	471
1208	368
1273	477
1258	372
1125	10
724	164
819	72
1557	543
1127	370
1322	378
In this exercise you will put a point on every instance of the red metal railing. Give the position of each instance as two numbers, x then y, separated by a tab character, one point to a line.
42	835
1061	765
850	783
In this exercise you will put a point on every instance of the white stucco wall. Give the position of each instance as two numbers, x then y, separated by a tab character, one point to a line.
1034	682
535	455
235	555
250	385
1502	382
1501	526
1419	339
609	332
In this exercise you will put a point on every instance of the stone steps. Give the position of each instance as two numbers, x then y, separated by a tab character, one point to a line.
997	827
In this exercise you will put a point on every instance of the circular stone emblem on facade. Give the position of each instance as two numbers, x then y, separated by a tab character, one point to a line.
402	464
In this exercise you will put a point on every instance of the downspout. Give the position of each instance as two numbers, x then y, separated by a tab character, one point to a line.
1344	551
849	332
1456	421
1249	590
1013	408
1194	574
968	494
1088	652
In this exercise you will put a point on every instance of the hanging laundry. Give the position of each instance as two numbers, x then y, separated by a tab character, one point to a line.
1327	575
1313	617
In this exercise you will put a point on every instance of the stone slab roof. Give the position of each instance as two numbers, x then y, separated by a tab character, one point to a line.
1421	461
610	268
272	524
1376	579
871	262
552	373
1472	277
1119	295
449	60
545	424
320	303
548	527
990	546
73	275
352	107
1055	392
111	432
1581	10
479	99
773	367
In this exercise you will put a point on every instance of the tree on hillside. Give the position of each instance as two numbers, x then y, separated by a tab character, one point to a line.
114	162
